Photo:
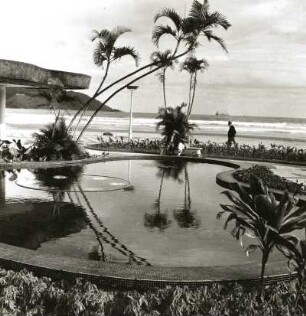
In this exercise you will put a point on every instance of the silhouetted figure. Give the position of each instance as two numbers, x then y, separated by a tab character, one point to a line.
231	134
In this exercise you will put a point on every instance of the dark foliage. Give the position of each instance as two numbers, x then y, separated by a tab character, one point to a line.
22	293
272	223
54	142
268	178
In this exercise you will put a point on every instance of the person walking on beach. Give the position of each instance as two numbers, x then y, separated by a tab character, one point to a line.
231	134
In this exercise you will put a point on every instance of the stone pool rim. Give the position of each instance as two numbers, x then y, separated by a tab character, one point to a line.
131	276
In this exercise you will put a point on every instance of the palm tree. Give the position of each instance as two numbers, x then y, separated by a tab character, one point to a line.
187	31
175	127
270	222
198	22
202	22
105	53
193	65
164	59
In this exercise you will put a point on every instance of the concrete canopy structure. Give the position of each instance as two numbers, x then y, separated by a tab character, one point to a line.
15	73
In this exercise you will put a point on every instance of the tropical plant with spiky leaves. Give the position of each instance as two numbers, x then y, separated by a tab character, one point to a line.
193	65
165	60
105	53
258	214
187	31
54	142
175	127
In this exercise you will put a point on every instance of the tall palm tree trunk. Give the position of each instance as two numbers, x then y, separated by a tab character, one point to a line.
189	94
164	87
97	93
117	91
94	96
193	92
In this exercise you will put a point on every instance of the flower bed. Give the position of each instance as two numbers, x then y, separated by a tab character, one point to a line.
260	152
22	293
269	178
275	152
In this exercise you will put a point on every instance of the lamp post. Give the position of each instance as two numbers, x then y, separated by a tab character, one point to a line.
131	88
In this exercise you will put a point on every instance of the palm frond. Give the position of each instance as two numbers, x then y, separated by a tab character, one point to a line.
162	58
210	36
190	26
119	30
217	19
119	52
103	35
170	14
99	56
198	10
161	30
109	38
193	65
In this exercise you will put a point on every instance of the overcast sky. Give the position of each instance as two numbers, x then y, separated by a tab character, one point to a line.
263	74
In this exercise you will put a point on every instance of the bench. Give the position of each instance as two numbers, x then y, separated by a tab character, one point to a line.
192	151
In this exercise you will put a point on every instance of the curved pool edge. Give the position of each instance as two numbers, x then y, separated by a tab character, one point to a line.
134	276
207	155
53	164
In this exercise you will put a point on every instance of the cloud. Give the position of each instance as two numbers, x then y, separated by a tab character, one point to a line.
266	42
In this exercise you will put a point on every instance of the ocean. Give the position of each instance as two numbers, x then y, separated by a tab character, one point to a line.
21	123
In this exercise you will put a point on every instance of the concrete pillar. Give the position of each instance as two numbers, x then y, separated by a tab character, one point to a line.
2	111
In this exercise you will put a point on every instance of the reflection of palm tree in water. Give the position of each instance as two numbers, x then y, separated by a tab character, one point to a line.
62	180
166	169
106	236
89	223
185	216
158	219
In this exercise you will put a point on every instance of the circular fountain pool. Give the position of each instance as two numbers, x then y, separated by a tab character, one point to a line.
164	214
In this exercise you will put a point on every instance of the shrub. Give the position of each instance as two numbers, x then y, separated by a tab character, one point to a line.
268	177
261	152
11	151
55	142
22	293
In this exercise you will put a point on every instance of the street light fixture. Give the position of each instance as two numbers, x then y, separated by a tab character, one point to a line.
131	88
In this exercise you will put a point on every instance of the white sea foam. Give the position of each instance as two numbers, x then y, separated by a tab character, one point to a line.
31	120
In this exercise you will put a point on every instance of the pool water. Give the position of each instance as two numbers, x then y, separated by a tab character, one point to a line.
146	212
